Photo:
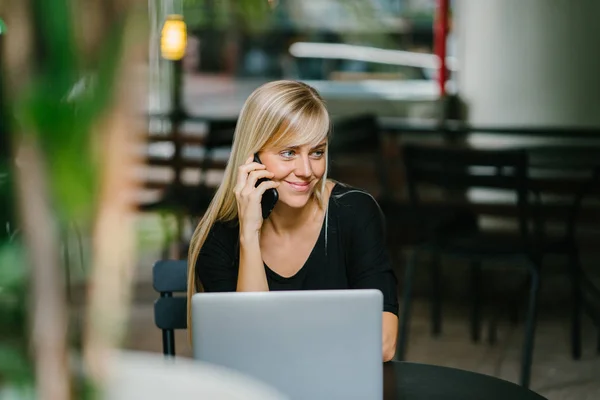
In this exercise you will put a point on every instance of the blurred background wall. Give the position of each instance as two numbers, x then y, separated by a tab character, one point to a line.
529	63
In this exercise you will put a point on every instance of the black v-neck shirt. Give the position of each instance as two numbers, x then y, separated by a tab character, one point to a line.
350	252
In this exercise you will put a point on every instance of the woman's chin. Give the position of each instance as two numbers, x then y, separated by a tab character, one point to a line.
296	201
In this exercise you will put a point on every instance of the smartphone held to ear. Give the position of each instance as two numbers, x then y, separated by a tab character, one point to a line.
269	198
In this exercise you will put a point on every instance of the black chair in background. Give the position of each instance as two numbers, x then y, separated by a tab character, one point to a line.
358	140
453	171
190	202
169	279
220	137
586	293
563	179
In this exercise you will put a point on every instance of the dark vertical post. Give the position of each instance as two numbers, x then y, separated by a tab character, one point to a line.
168	335
177	116
476	299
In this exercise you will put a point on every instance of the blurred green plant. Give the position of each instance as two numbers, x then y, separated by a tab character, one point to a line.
59	106
15	366
63	102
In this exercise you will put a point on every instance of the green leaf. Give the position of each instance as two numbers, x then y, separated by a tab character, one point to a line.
63	118
13	284
14	365
13	272
55	41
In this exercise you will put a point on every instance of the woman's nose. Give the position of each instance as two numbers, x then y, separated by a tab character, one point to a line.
303	168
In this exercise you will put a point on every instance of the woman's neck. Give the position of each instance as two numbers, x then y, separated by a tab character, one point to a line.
285	220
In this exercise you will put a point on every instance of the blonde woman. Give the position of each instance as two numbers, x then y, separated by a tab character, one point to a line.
320	234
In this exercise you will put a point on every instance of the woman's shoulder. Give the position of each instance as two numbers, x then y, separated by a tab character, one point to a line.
344	196
224	231
355	209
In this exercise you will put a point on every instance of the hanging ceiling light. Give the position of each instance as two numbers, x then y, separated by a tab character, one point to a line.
173	38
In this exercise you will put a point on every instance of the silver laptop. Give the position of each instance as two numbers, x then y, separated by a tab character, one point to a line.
307	344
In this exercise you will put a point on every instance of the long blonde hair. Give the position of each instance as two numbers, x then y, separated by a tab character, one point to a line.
277	114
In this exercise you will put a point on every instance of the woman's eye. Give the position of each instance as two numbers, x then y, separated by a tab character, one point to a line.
287	153
318	153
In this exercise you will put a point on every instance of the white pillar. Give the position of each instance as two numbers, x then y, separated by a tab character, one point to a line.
160	70
529	62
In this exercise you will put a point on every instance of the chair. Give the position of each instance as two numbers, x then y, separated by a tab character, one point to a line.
454	171
169	278
563	178
358	137
586	295
198	197
191	201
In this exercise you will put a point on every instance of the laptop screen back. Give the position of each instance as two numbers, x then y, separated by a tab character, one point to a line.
308	344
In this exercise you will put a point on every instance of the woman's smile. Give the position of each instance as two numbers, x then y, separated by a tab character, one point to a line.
299	186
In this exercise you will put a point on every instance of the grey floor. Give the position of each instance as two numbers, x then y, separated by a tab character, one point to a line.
555	375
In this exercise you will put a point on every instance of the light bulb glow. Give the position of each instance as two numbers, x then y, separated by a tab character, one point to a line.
173	38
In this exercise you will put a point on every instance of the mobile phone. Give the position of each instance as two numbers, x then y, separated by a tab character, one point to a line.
269	197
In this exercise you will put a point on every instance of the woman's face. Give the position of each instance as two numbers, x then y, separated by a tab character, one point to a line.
298	169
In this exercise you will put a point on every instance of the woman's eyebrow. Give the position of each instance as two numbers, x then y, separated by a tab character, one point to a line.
320	145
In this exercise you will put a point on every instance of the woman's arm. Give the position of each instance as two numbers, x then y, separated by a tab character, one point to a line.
251	275
220	270
390	335
370	265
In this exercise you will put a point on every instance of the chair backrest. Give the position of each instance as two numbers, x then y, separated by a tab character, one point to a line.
565	180
169	279
458	170
189	148
354	137
220	135
355	134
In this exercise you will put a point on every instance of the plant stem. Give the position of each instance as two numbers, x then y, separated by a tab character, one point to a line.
48	303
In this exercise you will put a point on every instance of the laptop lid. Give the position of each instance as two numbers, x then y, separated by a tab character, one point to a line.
307	344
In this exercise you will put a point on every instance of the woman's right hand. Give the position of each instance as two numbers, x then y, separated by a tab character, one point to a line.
249	197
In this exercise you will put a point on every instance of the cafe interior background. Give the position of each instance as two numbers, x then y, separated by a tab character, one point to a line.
107	108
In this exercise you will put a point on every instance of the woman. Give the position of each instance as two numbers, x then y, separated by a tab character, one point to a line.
320	234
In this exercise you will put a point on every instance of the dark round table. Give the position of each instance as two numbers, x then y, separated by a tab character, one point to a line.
410	381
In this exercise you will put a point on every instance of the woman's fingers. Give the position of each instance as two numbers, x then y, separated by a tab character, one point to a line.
248	195
243	171
264	186
254	176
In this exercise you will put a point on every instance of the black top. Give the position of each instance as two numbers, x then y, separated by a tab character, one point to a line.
410	381
350	252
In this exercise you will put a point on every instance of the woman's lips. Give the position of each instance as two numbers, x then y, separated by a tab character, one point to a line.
299	186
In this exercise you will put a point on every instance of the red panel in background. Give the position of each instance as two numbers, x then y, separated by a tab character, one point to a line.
440	33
